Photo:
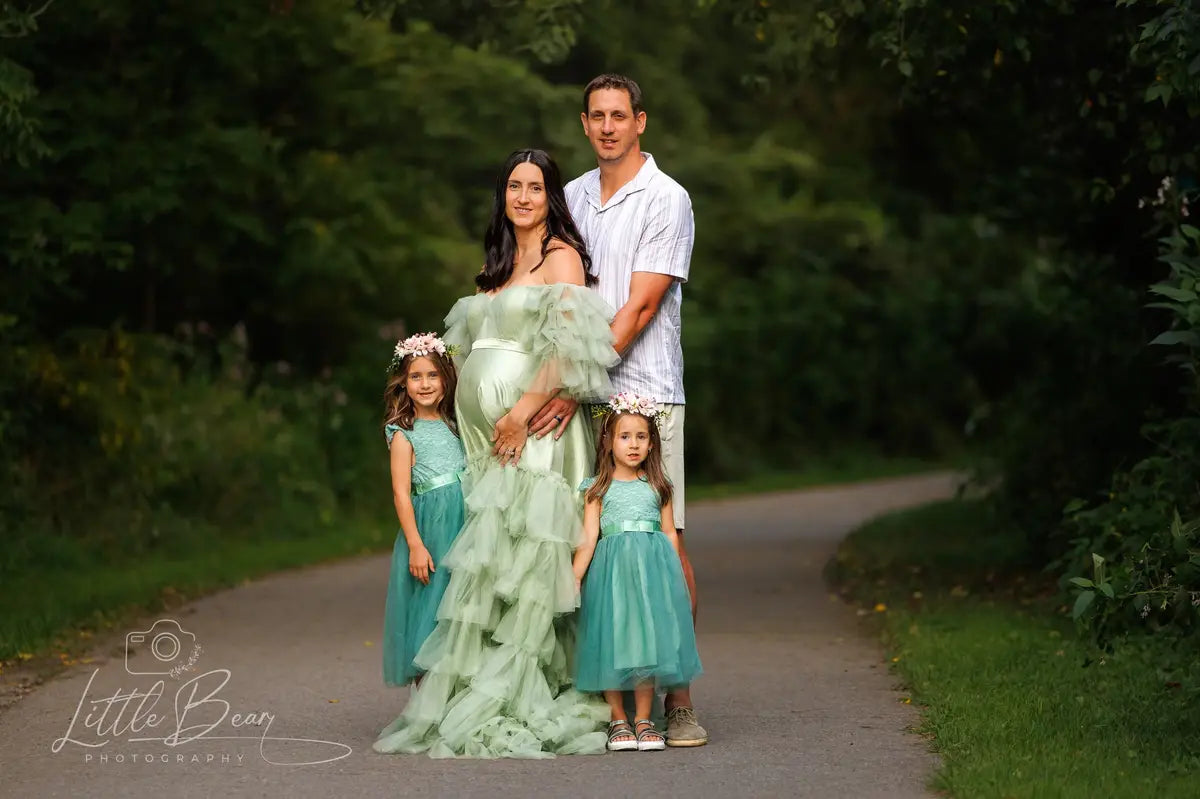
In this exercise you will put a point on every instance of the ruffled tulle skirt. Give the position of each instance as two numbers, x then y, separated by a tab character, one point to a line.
635	623
500	661
410	613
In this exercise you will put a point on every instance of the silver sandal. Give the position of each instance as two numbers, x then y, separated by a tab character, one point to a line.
616	729
648	738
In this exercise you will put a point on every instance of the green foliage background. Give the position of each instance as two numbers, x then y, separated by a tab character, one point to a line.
921	225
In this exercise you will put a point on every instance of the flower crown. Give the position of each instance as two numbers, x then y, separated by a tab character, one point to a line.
419	345
626	402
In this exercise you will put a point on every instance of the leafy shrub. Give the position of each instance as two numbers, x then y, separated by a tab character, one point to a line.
1144	540
155	444
1142	571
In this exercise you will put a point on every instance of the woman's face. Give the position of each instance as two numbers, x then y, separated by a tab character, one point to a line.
424	384
525	202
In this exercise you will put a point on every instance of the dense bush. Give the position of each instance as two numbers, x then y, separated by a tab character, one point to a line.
1144	537
1140	546
154	446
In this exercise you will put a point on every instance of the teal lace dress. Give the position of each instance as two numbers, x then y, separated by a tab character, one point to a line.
411	609
635	618
498	664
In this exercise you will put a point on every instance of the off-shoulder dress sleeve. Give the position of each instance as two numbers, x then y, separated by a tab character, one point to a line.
571	342
458	333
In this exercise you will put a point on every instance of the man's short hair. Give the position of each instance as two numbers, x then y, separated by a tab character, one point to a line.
612	81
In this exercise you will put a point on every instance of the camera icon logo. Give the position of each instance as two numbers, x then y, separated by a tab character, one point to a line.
174	649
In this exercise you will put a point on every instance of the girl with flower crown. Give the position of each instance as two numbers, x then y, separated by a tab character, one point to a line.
635	618
427	461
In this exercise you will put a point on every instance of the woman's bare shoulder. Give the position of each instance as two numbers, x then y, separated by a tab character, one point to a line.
562	264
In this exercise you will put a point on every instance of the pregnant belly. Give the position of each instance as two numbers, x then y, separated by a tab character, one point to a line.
489	385
491	381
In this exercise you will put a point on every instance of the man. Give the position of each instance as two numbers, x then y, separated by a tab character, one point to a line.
637	224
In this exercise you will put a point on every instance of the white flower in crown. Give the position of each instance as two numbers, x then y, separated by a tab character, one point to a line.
625	402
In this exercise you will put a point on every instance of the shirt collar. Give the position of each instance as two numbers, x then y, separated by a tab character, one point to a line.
640	181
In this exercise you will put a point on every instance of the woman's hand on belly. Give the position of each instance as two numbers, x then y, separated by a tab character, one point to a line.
509	436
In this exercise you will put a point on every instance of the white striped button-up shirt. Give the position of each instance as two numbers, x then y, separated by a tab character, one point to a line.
646	226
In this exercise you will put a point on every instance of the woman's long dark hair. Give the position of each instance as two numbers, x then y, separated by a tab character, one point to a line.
500	242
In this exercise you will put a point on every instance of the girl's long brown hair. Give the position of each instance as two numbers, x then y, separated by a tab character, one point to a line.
399	408
605	465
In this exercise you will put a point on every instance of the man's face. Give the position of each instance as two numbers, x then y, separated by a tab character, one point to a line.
611	125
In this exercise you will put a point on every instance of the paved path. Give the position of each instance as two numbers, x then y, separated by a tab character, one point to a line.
797	700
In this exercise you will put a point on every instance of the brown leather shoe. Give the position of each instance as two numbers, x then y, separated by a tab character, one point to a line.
683	729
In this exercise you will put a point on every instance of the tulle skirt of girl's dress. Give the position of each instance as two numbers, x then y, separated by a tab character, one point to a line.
635	618
411	611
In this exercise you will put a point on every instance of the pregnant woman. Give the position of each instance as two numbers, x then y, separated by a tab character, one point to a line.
497	666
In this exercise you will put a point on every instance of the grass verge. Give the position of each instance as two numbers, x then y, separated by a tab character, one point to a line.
1016	703
48	615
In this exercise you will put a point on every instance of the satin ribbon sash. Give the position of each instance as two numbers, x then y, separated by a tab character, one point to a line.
437	482
498	344
630	526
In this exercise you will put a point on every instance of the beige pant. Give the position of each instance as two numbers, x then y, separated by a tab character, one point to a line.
670	430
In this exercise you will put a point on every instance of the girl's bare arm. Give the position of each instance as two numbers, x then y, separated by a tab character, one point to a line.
591	534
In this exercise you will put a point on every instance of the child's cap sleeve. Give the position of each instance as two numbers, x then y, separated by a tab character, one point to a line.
389	432
587	483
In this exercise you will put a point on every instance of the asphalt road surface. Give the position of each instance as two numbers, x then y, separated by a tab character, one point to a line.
797	700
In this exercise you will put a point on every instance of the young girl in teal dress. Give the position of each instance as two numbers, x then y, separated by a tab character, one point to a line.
635	618
427	460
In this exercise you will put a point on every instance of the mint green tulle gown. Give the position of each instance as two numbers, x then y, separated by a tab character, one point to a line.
499	663
410	612
635	624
